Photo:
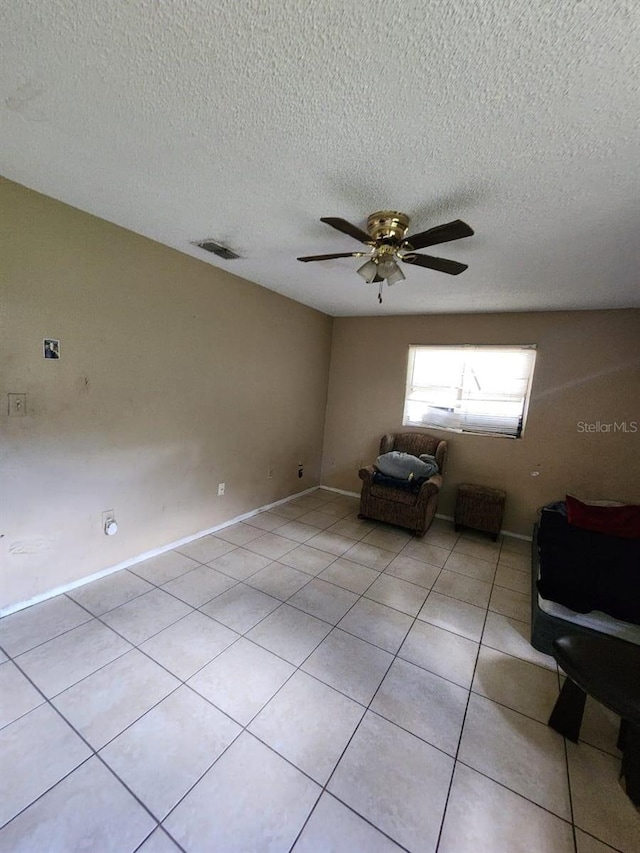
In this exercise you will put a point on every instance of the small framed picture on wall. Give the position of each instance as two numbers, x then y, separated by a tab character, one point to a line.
51	348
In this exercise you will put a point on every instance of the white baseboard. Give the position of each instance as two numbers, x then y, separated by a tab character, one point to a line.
13	608
502	532
513	535
340	491
103	573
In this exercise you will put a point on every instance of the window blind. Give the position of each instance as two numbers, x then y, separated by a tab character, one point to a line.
480	389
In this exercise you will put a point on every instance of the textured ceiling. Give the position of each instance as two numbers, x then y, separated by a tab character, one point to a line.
248	120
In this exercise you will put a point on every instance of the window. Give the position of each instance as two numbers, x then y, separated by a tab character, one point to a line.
480	389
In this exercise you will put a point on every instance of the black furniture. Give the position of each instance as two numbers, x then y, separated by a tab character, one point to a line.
609	670
583	571
586	570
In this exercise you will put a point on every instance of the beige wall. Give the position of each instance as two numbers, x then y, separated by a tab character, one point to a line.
174	376
587	369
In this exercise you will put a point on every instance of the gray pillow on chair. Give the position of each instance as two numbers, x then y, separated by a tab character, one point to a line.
404	466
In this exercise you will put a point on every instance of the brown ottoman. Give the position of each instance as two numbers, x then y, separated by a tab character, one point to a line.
479	507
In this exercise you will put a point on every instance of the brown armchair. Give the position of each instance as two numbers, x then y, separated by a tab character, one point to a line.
396	506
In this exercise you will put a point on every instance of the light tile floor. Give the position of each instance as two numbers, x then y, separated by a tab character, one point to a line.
301	681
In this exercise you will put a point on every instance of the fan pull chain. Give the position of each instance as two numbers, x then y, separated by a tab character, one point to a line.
380	292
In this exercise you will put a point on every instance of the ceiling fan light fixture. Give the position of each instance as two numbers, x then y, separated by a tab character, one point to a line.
387	243
396	275
368	271
387	266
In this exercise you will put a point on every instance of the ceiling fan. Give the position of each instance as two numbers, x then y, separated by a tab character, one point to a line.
386	237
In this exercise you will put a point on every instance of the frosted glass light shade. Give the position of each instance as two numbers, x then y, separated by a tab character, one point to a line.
386	266
368	271
396	275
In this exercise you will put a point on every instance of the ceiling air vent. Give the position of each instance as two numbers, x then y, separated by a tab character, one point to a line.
217	249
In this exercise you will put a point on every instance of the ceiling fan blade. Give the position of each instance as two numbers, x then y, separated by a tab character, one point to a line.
330	257
440	264
440	234
347	228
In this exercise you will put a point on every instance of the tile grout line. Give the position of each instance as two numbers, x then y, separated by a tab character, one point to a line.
464	720
194	609
159	828
168	592
96	752
243	727
297	668
152	583
93	754
517	793
182	683
367	709
197	609
330	777
573	824
55	637
92	615
246	727
459	761
515	657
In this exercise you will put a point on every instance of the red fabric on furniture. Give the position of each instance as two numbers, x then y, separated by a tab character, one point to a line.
622	521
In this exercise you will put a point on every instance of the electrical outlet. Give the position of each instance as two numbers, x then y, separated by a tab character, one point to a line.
221	489
109	523
17	405
270	474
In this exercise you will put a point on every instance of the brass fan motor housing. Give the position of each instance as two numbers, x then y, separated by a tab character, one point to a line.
388	225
